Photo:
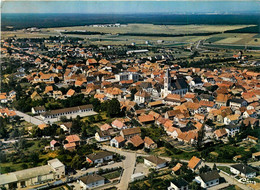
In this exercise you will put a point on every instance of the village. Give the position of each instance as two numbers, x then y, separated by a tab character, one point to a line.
113	117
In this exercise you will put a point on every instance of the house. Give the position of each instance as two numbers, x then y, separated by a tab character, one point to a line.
149	143
178	184
232	130
136	141
99	157
196	83
117	142
251	122
102	136
70	146
105	127
221	100
70	93
137	176
231	119
146	119
177	167
236	103
66	126
91	62
72	142
38	109
220	133
250	113
128	133
174	99
142	97
35	96
55	145
256	155
155	162
91	181
252	139
118	124
243	170
195	163
208	179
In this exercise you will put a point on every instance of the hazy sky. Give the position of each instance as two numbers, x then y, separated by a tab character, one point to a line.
180	6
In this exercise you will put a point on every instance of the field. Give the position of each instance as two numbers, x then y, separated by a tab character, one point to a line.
172	35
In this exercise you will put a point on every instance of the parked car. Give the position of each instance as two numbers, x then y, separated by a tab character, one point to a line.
111	162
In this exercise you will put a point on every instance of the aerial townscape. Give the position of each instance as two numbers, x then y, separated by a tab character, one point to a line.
129	105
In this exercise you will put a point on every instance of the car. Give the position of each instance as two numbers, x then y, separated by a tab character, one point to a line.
111	162
83	169
98	165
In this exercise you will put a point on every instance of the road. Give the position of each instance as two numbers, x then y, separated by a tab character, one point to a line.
29	118
128	166
231	181
130	161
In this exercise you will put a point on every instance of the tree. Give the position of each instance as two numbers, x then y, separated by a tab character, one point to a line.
195	186
113	108
3	130
34	157
200	138
76	162
214	167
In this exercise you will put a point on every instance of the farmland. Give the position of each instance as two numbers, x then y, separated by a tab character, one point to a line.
171	35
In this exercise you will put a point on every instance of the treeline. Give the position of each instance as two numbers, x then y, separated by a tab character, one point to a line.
84	33
250	29
169	35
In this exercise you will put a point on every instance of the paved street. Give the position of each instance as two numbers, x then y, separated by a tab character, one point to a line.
231	181
29	118
128	165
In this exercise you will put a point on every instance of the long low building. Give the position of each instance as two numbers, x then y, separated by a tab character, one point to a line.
66	111
33	176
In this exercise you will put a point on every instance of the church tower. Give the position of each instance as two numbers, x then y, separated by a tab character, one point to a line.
167	83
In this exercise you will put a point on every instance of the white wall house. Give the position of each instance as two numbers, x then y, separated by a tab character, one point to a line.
155	162
91	181
102	136
99	157
243	170
208	179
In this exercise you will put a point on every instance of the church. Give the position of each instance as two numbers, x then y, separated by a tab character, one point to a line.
174	85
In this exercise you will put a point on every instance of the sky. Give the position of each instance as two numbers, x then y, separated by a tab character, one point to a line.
131	7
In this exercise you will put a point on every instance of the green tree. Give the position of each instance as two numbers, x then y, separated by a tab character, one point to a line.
76	162
113	108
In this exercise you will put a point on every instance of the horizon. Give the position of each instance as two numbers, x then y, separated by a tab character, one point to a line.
131	7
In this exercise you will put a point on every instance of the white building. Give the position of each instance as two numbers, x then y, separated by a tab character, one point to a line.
142	97
208	179
102	136
99	157
179	184
243	170
155	162
33	176
91	181
117	142
127	76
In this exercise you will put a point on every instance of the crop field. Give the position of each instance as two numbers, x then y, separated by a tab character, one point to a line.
228	40
172	35
154	29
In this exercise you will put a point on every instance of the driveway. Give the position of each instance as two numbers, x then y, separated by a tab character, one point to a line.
29	118
232	181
